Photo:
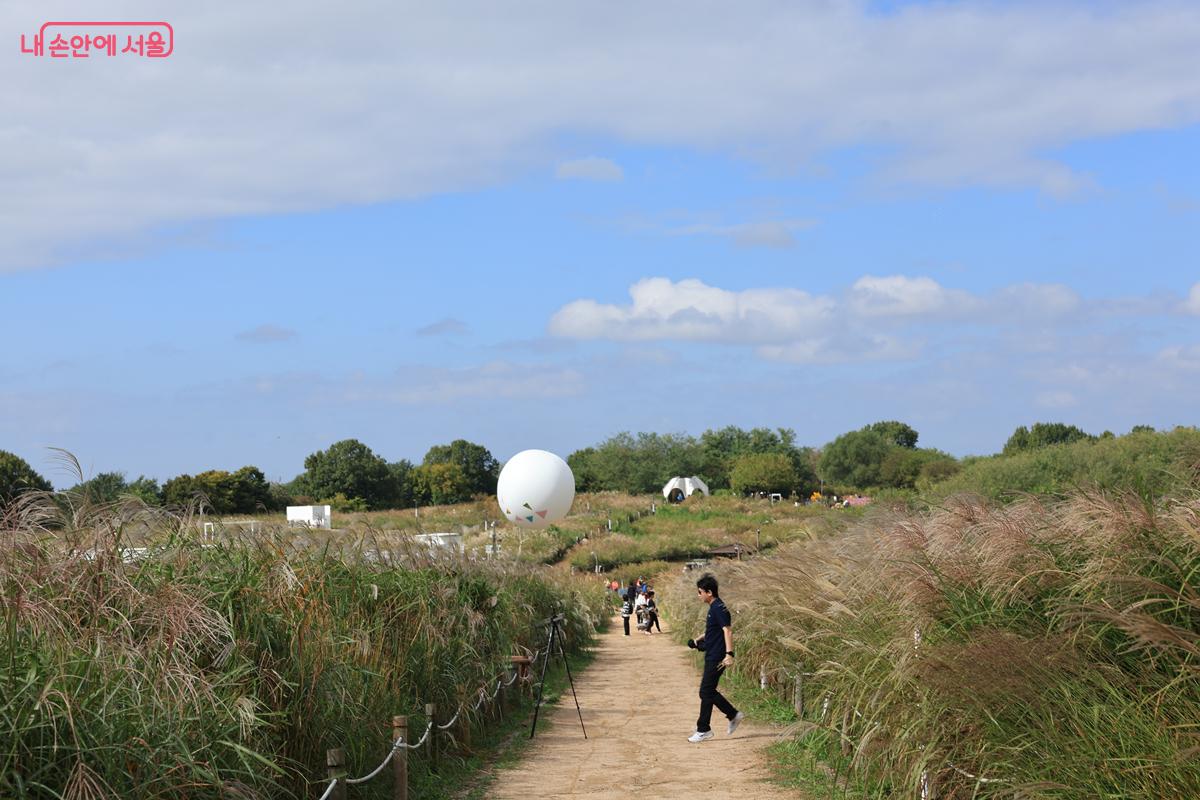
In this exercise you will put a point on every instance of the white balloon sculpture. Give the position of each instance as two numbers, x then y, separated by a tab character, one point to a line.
535	489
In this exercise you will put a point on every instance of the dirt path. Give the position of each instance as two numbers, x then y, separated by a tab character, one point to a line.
639	704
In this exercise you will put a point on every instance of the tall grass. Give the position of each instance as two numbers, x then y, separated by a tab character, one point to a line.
228	670
682	532
1050	647
1150	464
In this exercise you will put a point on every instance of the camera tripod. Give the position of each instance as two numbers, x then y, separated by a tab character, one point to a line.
555	639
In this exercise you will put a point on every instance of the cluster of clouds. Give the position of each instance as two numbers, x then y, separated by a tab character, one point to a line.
876	318
259	112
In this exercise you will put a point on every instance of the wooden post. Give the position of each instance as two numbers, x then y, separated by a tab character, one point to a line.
502	702
522	664
431	745
335	763
798	696
762	677
845	729
400	759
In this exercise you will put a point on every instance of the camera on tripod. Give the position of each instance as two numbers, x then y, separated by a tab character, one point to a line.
554	643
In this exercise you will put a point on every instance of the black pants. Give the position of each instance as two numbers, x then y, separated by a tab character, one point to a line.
626	626
709	697
654	621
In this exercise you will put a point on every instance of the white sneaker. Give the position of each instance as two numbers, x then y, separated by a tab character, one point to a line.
700	737
733	723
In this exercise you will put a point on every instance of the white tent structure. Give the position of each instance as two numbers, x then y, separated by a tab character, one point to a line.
678	488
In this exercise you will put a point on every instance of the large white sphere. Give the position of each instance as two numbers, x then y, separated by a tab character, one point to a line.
535	489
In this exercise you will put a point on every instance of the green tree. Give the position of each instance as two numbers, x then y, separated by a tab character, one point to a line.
478	465
16	476
250	491
722	447
441	484
804	462
243	492
403	491
636	464
937	470
1044	434
895	432
763	472
105	487
281	496
583	467
349	467
179	491
903	468
146	489
219	487
855	459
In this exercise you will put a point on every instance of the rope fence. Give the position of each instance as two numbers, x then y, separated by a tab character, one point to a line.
397	755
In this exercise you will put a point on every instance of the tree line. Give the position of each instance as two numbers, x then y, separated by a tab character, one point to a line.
348	475
883	454
351	477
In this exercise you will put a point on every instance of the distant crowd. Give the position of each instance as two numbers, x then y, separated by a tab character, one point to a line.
638	603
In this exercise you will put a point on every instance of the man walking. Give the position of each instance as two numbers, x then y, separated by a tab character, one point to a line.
717	644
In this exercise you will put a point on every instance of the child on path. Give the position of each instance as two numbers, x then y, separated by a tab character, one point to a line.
652	611
627	607
717	644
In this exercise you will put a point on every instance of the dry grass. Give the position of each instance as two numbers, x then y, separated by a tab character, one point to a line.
1054	646
226	671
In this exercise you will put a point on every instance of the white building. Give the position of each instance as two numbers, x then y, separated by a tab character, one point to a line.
309	517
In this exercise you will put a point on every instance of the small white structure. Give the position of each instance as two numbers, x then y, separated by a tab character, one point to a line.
309	517
442	541
679	488
210	528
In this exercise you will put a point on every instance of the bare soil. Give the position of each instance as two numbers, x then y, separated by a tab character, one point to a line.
639	701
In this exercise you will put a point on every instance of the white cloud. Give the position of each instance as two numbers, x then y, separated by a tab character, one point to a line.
1192	304
842	350
1044	300
1184	358
899	295
692	310
889	318
398	100
592	168
770	233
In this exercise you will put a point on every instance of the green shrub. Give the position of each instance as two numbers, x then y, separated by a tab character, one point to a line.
1150	464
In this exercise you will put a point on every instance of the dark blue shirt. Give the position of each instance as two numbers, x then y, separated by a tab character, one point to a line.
714	634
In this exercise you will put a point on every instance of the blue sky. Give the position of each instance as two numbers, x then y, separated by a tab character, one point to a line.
541	228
